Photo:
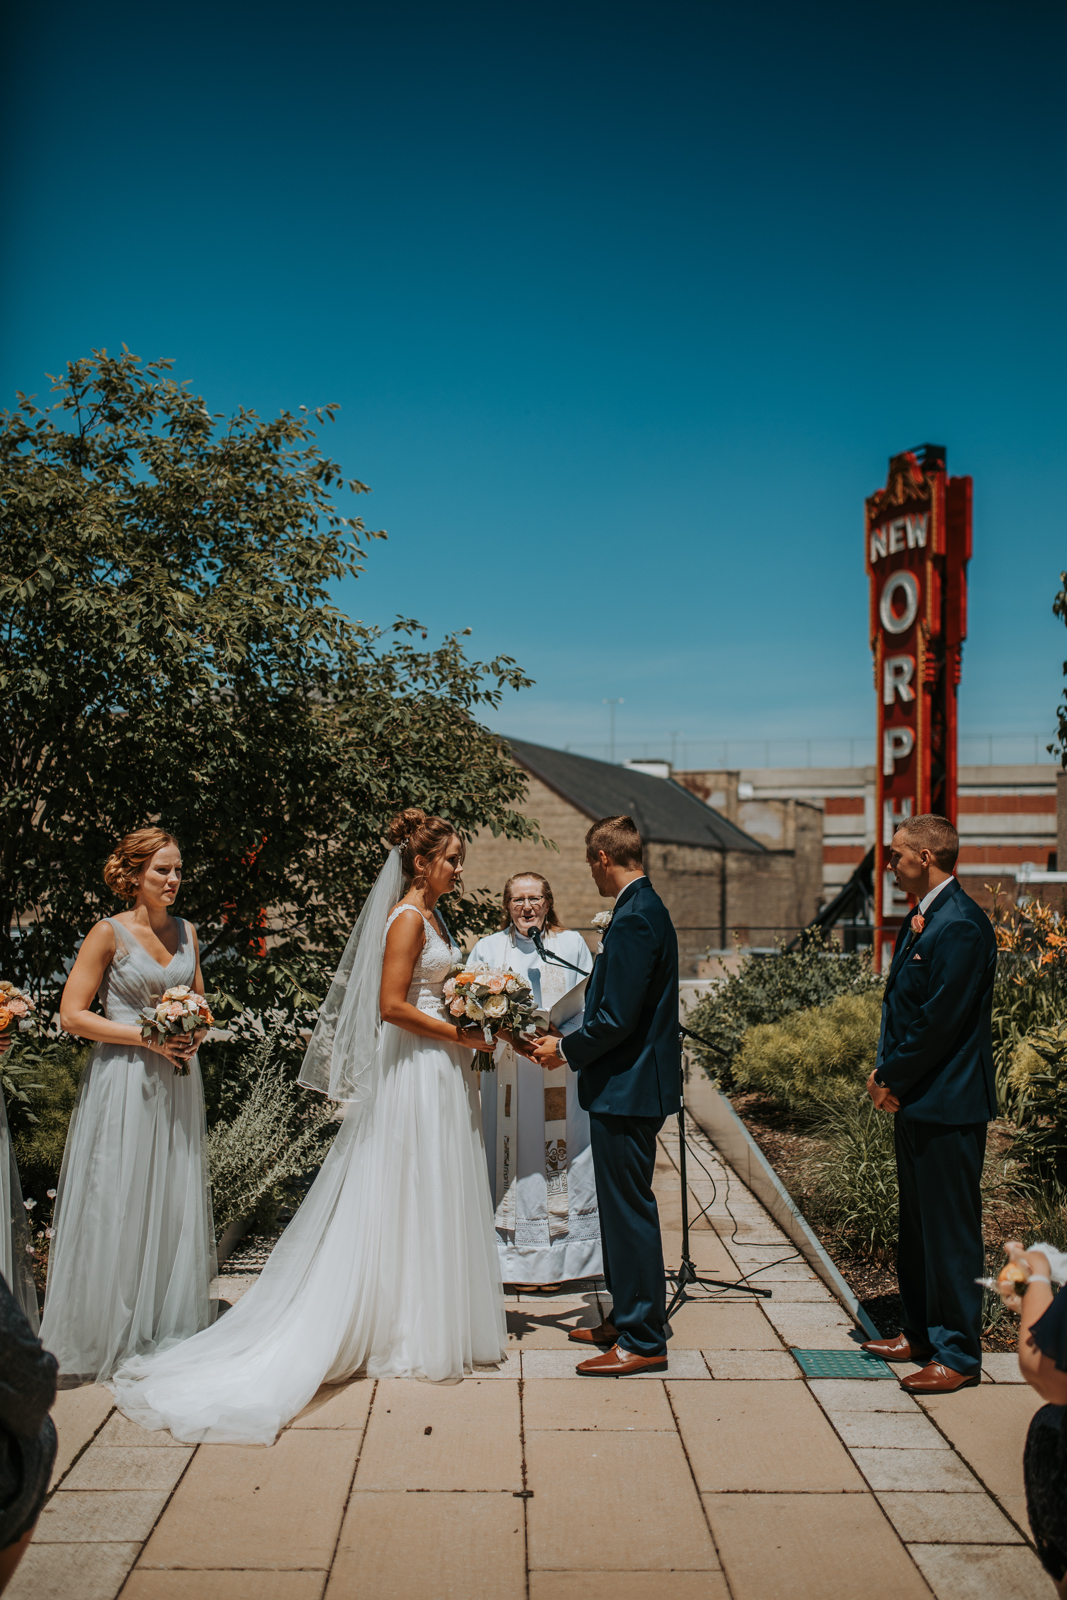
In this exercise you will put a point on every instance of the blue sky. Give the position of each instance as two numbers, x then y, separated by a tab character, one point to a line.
625	307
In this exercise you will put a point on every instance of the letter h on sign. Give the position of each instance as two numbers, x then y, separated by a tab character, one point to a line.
892	817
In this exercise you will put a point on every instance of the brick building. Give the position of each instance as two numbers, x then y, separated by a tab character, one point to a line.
722	883
1007	818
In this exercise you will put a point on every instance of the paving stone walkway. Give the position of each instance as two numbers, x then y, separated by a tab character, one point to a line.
734	1478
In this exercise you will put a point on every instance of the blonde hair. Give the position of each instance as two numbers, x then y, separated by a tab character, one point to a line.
935	834
551	919
129	858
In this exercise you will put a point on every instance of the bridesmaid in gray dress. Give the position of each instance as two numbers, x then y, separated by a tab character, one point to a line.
134	1248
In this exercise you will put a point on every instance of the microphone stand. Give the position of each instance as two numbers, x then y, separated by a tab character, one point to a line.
546	955
687	1274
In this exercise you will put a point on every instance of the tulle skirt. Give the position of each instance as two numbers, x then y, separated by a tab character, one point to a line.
133	1254
389	1268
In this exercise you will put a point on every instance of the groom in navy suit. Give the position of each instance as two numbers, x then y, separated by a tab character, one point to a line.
627	1055
934	1073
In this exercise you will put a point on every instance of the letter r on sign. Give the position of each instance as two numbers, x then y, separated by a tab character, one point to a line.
897	673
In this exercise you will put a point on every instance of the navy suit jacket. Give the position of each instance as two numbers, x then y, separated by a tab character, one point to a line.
628	1053
936	1047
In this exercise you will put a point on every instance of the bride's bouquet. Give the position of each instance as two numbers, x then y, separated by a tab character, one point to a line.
178	1010
492	999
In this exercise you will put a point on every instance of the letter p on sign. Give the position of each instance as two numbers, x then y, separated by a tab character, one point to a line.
896	744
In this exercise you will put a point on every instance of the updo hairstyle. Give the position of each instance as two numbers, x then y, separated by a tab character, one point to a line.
129	858
416	834
551	919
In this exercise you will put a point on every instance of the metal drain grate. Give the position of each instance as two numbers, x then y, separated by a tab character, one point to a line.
841	1364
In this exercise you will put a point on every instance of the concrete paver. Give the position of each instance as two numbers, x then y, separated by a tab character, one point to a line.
527	1481
99	1517
734	1434
628	1586
61	1571
613	1502
129	1467
339	1405
553	1403
988	1427
247	1506
948	1519
887	1430
224	1586
456	1546
916	1469
981	1572
810	1547
452	1436
765	1364
78	1414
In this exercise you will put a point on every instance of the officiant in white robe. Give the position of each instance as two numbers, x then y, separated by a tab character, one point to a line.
536	1133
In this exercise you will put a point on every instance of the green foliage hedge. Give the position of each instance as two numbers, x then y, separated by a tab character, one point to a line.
769	989
818	1055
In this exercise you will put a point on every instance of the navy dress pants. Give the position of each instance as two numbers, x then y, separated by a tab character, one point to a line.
624	1160
940	1251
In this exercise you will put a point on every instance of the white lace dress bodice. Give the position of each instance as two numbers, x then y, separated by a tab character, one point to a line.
433	966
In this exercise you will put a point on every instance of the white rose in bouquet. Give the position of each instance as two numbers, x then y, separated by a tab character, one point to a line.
496	1005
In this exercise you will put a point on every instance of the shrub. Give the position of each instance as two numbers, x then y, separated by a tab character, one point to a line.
1037	1083
859	1181
269	1132
1030	993
767	989
38	1138
822	1054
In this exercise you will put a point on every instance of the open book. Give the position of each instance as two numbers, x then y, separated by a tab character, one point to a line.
567	1006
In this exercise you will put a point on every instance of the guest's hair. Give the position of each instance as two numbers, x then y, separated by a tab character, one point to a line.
416	834
935	834
551	919
129	858
618	838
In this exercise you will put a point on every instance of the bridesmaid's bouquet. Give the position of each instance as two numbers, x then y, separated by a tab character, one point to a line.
492	999
17	1010
178	1010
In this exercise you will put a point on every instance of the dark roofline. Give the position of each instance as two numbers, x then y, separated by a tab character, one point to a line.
664	811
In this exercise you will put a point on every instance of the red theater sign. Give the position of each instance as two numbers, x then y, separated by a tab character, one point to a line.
918	545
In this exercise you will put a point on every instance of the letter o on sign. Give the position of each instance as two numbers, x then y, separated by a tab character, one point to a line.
905	581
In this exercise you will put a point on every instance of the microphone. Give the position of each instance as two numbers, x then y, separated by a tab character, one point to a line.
546	955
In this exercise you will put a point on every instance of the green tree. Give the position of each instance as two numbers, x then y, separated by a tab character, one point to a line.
169	652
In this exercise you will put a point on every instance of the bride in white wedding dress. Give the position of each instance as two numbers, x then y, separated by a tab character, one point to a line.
389	1267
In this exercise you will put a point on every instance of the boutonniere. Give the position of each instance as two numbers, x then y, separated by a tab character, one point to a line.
602	922
918	923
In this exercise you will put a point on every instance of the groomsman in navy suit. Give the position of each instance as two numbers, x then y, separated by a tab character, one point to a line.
934	1073
627	1055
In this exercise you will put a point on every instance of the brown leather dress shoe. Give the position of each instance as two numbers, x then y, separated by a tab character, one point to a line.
938	1379
620	1363
605	1334
897	1349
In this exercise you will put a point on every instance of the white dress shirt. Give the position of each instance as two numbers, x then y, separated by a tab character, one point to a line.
928	899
